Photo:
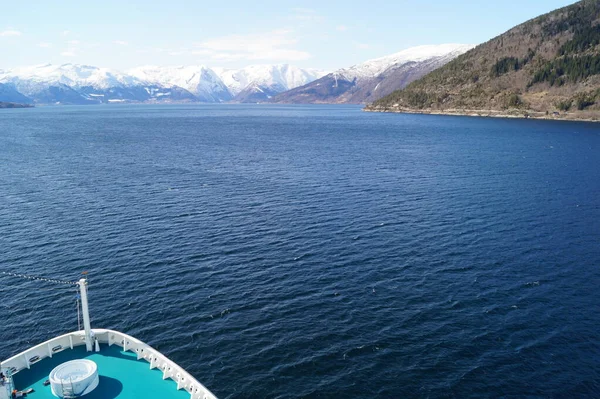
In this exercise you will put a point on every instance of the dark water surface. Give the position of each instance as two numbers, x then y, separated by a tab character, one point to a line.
319	251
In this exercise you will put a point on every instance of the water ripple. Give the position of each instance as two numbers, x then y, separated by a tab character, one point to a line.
288	252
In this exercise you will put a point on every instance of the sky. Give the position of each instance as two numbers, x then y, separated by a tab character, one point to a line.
325	34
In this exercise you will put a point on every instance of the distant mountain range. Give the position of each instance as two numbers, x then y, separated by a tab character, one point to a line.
548	67
376	78
258	83
83	84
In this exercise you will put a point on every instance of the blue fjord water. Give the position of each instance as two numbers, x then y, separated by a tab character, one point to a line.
312	251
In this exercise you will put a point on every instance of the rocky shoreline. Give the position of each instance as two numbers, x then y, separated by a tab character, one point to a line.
512	114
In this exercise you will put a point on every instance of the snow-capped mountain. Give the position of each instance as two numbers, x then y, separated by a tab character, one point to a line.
84	84
72	75
201	81
377	66
260	82
375	78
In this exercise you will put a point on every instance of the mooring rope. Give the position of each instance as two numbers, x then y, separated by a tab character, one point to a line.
37	278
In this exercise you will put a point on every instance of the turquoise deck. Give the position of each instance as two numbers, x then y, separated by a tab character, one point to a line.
121	376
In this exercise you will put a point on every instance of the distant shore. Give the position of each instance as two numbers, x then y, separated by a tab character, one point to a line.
511	114
14	105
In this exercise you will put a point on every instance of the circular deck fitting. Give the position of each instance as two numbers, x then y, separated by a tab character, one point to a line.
75	378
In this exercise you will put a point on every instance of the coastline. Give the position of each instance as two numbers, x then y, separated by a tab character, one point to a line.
9	105
509	114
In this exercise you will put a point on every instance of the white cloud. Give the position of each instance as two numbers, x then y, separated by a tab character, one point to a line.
341	28
66	32
70	52
303	10
276	45
44	45
72	48
228	57
306	14
202	52
150	50
121	42
10	32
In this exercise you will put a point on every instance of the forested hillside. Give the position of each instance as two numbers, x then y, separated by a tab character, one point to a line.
547	66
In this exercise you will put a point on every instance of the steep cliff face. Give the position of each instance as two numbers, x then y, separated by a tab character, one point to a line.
550	64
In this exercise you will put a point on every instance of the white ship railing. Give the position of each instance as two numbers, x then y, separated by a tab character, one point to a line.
157	360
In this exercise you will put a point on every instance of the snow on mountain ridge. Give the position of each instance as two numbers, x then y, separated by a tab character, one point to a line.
284	76
199	80
208	84
375	67
69	74
201	83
